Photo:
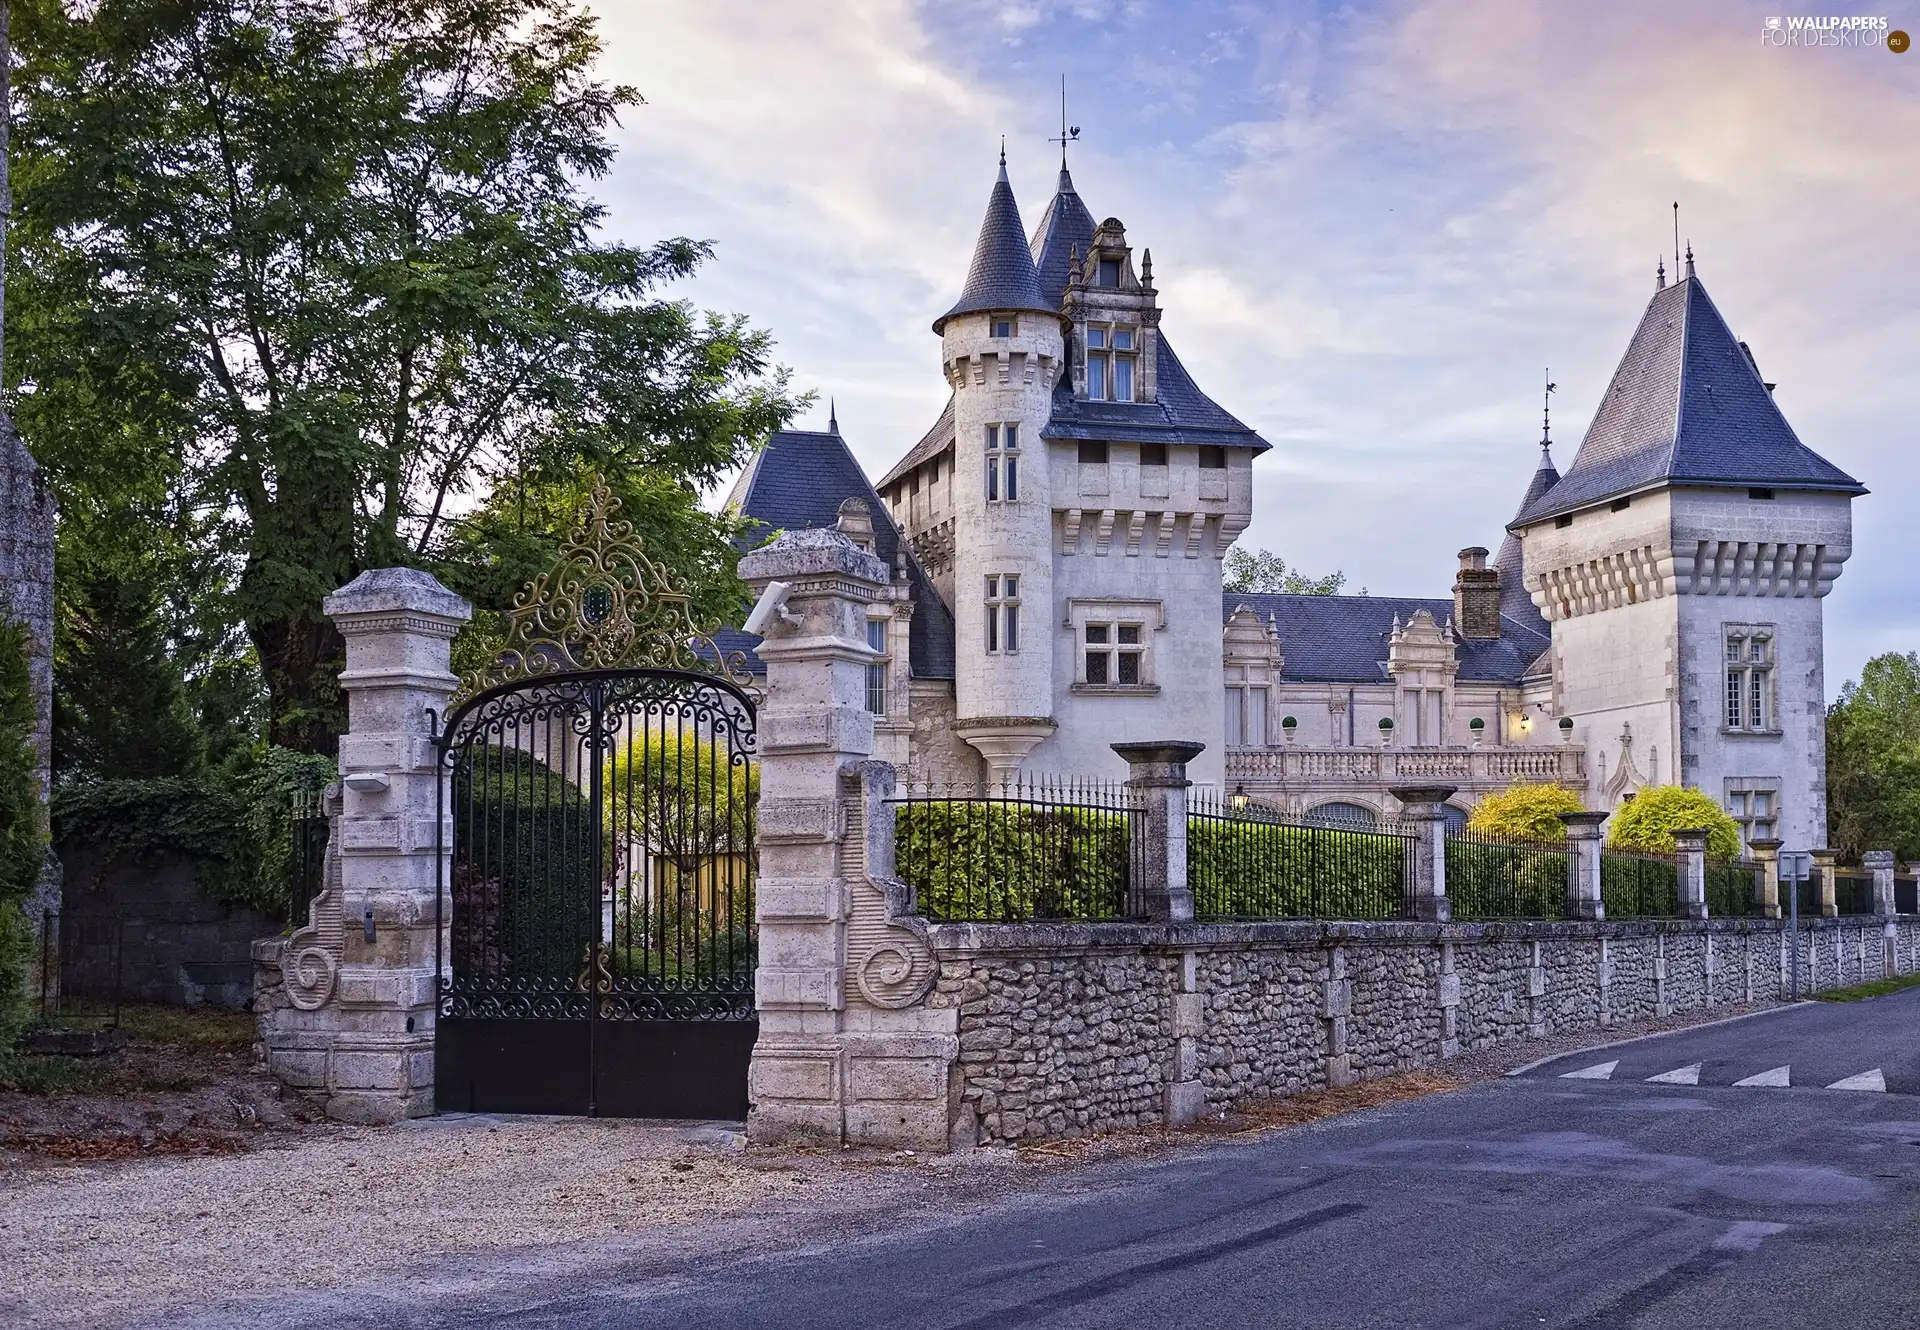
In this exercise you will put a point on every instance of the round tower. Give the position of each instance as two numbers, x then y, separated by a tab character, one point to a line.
1001	347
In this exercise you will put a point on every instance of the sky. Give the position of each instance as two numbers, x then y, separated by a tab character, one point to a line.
1374	227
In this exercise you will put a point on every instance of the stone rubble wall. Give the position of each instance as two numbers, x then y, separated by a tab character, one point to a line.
1069	1029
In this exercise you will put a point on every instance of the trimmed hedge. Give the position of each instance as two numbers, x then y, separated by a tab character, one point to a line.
1008	863
1264	870
1491	880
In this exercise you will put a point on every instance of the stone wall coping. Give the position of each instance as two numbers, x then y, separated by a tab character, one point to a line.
386	590
1057	939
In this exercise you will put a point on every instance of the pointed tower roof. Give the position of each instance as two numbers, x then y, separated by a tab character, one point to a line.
1065	227
1001	275
1686	407
1515	603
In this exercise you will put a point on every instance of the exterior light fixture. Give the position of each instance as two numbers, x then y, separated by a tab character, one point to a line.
1239	797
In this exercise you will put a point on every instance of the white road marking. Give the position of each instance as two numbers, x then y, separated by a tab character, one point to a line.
1866	1080
1778	1076
1746	1234
1687	1075
1602	1071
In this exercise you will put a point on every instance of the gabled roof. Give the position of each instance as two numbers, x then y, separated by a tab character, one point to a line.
934	442
1686	407
1343	639
1064	227
1001	275
799	480
1181	413
1515	603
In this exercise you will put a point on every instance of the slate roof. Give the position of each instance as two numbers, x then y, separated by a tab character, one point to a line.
934	442
1343	639
1181	413
1685	406
1001	275
1064	227
1515	603
798	480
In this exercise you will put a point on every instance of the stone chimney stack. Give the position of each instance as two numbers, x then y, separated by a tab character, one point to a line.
1476	597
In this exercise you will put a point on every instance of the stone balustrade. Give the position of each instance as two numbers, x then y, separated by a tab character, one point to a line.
1297	770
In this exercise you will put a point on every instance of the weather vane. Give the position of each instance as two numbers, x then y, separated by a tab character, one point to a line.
1068	134
1546	411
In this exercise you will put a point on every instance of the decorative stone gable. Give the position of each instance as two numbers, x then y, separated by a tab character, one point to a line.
1103	288
1422	651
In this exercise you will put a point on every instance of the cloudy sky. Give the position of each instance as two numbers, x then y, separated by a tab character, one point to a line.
1373	227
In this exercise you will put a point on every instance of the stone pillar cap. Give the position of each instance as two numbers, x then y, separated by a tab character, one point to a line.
1877	859
1160	750
1423	794
1824	856
387	590
813	551
1765	844
1582	819
1690	833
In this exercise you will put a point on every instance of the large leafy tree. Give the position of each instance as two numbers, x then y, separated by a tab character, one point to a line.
1873	760
1259	571
327	272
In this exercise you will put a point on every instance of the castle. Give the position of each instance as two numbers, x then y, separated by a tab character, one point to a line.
1652	616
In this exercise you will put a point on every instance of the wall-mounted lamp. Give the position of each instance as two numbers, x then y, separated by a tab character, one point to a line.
365	782
366	923
1239	797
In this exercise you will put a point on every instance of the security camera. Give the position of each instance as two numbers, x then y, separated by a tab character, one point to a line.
772	603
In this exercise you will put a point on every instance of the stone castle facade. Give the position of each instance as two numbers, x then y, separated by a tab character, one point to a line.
1651	616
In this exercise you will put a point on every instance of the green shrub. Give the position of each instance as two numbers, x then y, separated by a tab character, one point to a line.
1011	862
1263	870
1646	823
1634	885
1524	812
23	826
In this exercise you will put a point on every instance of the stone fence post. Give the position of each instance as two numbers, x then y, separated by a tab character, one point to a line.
1826	868
1583	865
1766	882
1690	861
1421	806
1880	864
847	1051
1157	773
359	1030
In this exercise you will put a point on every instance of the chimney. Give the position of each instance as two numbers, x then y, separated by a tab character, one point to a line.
1476	597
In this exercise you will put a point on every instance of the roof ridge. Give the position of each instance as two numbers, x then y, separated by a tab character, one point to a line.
1689	282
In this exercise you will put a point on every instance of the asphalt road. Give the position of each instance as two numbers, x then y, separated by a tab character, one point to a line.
1539	1200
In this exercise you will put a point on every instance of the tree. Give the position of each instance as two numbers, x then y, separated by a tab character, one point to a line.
1873	760
1261	571
1524	812
1647	822
329	272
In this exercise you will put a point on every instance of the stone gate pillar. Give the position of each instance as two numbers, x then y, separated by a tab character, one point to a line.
1583	865
1879	863
1690	863
354	1024
1157	774
1420	807
1826	871
1766	879
847	1050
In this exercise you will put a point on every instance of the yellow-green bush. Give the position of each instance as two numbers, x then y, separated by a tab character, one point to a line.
1524	812
1647	822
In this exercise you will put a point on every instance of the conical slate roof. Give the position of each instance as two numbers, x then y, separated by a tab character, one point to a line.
1064	227
1002	274
1515	603
1686	406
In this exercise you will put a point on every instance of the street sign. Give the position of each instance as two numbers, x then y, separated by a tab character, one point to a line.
1796	865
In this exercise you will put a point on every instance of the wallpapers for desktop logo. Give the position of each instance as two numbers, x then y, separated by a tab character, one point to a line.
1833	30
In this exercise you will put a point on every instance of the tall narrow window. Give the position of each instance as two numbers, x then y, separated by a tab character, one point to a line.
1003	615
877	670
1110	355
1003	463
1750	661
1109	272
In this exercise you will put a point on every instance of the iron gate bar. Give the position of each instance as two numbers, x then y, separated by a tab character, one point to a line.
535	918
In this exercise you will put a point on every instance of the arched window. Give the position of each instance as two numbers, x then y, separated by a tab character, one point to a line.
1343	815
1456	818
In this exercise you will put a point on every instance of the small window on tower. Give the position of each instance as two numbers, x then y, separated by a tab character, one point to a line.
1109	272
1153	454
1759	494
1562	523
1003	327
1093	452
1213	457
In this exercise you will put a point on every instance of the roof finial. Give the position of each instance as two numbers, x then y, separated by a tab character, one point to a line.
1546	414
1003	159
1067	134
1676	240
1689	258
1146	269
1660	274
833	418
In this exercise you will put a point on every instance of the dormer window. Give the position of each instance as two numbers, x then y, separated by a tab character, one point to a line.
1004	327
1110	356
1109	272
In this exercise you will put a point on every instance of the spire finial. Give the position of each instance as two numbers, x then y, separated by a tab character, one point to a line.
1689	258
1546	414
1068	134
1660	274
1676	240
1003	159
833	417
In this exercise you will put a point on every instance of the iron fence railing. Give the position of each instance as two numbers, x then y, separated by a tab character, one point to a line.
1730	888
1019	852
79	986
1639	886
1489	877
1906	895
1247	865
308	862
1853	893
1808	890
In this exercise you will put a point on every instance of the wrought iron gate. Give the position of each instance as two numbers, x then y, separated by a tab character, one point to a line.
597	950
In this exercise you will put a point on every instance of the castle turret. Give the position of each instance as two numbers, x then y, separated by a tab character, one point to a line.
1001	347
1681	562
